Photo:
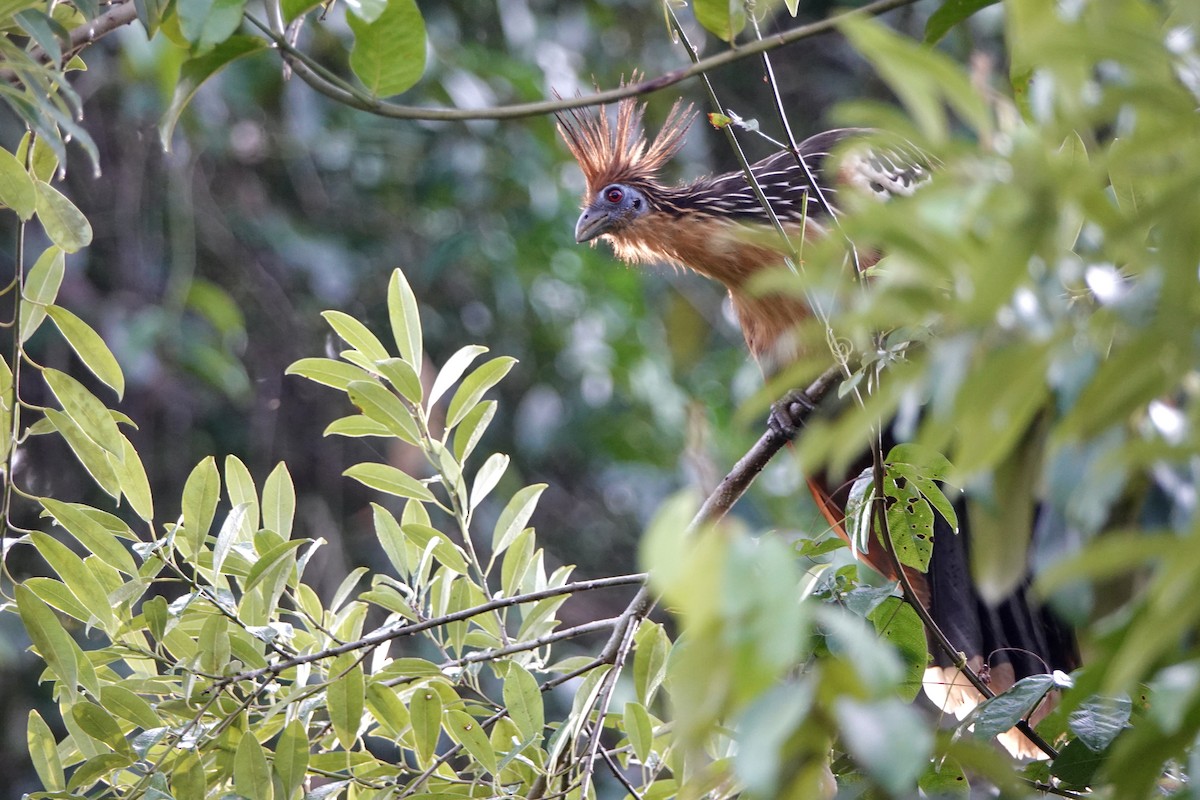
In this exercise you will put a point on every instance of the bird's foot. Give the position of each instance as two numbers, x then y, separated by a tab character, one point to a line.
788	414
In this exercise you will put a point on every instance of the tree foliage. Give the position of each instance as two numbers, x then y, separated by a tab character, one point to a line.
1038	300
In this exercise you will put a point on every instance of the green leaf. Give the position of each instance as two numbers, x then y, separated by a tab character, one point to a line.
453	369
523	699
43	751
996	715
367	10
187	780
91	534
405	319
251	775
198	70
515	515
239	485
96	768
45	160
475	385
486	478
639	729
293	9
279	501
57	595
445	551
328	372
384	407
425	709
200	495
897	623
950	14
77	575
215	647
467	731
650	660
86	411
47	634
99	724
945	779
90	348
357	426
135	484
910	521
346	694
16	187
234	529
65	224
129	706
388	55
1098	720
206	23
474	424
269	560
91	455
386	478
41	288
357	335
291	758
722	18
400	374
888	738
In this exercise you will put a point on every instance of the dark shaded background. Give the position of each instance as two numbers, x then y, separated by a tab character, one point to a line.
211	263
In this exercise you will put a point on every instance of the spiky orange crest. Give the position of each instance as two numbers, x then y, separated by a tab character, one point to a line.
619	153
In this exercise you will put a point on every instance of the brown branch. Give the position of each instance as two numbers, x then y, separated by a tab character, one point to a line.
350	96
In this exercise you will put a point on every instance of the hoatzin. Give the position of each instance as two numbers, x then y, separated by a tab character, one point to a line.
717	227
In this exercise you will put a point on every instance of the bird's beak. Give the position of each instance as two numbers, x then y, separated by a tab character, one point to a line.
592	223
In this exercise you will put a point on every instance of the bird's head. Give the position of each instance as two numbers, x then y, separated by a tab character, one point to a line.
611	209
619	165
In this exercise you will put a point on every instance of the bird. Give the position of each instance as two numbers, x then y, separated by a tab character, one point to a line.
718	227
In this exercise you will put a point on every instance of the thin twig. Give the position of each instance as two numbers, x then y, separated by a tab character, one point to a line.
306	71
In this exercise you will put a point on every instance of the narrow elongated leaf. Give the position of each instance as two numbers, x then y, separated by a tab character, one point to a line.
279	501
72	570
453	369
90	348
386	478
200	494
239	484
233	530
402	377
474	424
47	634
65	224
384	407
405	319
357	335
135	484
515	515
998	714
291	758
425	710
639	729
431	540
16	187
99	724
91	534
41	288
523	699
44	753
327	371
487	478
86	411
389	53
346	694
198	70
129	706
466	730
475	385
251	775
356	426
93	457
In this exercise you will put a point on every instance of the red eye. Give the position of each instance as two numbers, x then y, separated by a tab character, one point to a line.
613	195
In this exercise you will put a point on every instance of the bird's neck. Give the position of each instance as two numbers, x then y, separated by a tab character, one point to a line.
732	253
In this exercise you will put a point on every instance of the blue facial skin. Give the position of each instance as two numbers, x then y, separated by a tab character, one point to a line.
615	206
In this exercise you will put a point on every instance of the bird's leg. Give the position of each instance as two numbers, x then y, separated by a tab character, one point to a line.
789	414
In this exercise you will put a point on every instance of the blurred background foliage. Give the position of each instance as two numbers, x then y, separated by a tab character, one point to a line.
211	262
